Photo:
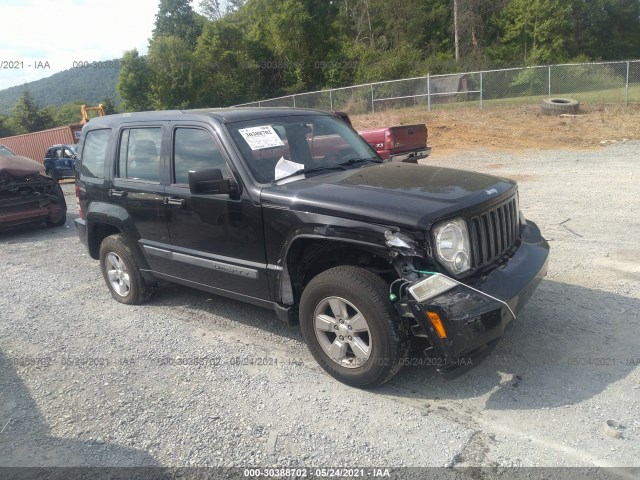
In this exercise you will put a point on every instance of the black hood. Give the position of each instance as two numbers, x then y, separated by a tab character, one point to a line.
405	195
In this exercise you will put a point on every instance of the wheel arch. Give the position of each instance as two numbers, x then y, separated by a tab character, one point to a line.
308	255
104	220
97	232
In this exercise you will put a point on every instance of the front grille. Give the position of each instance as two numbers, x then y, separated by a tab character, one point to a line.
494	233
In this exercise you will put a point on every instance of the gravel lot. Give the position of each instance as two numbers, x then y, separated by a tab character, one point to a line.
161	384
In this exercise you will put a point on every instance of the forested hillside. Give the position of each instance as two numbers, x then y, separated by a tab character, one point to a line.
235	51
89	85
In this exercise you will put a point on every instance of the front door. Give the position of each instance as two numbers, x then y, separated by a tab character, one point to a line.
216	240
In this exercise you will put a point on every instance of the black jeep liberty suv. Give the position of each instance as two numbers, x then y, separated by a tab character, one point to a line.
291	210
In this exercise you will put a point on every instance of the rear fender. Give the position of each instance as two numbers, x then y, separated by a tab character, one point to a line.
100	215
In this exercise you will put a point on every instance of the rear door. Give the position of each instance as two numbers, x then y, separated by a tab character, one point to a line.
216	240
138	186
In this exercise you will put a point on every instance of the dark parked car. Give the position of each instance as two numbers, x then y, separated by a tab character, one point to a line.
60	161
254	204
26	196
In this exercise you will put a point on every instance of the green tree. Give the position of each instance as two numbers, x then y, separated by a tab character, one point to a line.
217	9
109	106
605	29
66	114
224	72
6	130
242	50
536	31
212	9
133	82
28	117
299	34
176	18
475	18
394	39
170	63
378	65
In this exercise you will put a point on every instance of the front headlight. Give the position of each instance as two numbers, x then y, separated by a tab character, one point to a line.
452	245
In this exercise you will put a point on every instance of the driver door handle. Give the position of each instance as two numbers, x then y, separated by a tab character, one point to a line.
178	202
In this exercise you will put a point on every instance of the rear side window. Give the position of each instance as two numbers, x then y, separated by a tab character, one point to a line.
94	153
140	154
195	149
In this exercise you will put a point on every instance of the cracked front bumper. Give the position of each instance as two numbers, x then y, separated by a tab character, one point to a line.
476	313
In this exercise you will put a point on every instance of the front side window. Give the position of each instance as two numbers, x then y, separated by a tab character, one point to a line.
194	149
94	153
139	157
276	148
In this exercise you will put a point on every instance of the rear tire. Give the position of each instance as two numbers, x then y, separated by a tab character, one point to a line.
121	272
351	327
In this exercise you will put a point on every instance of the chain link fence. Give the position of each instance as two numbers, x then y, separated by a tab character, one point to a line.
593	83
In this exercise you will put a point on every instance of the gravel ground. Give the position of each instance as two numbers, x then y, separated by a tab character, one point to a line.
191	379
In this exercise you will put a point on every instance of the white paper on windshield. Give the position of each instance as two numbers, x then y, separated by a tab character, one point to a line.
286	167
262	137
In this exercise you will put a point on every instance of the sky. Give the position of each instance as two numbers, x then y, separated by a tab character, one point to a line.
43	37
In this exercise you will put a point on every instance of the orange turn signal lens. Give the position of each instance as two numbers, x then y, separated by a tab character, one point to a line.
437	324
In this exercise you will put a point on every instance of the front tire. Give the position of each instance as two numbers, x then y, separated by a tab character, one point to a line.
351	327
121	272
59	219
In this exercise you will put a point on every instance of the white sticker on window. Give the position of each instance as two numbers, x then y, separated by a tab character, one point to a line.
262	137
286	167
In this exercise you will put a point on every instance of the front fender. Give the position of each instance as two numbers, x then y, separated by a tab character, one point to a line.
283	228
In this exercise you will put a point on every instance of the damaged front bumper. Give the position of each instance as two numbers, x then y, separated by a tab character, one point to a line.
464	322
24	210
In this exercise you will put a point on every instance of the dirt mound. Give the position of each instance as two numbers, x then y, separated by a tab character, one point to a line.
514	128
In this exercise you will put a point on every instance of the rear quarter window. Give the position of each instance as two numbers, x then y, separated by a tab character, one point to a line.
94	153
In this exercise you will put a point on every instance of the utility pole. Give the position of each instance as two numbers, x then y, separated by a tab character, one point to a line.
455	29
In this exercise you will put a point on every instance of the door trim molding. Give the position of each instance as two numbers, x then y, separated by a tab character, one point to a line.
234	266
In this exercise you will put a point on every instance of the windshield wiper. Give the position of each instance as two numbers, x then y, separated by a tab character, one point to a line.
333	166
353	161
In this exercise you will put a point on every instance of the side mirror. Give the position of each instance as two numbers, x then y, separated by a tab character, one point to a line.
211	181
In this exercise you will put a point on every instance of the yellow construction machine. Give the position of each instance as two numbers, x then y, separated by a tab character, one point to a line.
85	112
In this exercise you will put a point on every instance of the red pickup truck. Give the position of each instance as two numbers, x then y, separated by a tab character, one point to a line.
402	143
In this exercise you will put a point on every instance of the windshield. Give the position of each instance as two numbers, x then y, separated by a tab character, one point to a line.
278	148
5	151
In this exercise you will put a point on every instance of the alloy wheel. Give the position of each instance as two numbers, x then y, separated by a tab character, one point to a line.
117	274
342	332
